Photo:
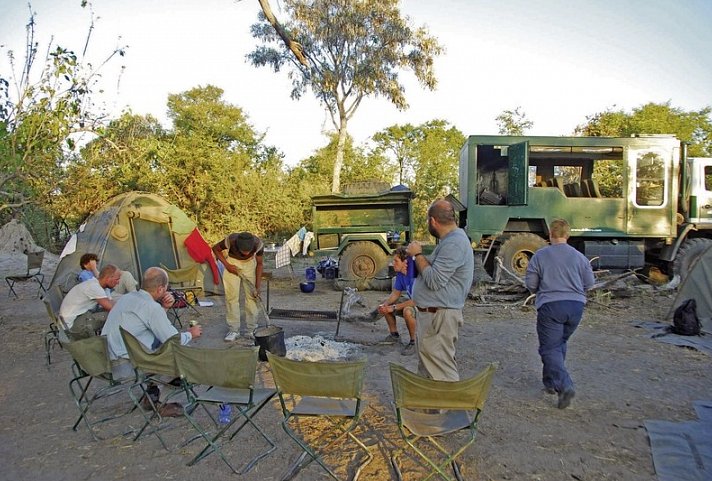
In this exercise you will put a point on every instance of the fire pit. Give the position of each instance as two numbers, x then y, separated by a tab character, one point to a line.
301	314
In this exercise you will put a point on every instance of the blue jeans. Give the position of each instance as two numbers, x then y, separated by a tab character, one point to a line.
555	323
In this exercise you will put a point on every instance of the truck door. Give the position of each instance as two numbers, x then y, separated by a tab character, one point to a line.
651	210
518	186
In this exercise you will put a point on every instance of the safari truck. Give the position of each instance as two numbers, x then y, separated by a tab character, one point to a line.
631	202
362	227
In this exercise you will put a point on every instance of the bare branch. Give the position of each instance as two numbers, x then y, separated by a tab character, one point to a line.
293	45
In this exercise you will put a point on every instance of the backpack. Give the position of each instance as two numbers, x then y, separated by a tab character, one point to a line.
685	321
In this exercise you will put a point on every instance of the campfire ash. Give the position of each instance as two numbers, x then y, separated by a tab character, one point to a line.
318	348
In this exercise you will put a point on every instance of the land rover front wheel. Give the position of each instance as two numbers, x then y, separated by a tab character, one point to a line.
517	250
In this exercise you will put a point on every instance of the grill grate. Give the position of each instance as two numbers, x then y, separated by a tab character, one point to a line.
303	314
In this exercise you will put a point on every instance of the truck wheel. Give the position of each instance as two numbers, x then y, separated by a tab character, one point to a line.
360	263
690	250
517	250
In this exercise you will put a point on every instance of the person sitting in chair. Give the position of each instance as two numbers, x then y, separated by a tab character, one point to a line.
88	262
86	305
144	314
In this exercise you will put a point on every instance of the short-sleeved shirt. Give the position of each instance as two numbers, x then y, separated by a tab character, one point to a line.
85	275
80	299
404	282
230	243
143	317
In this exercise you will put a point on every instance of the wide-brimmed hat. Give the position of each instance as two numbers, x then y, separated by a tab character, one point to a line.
245	242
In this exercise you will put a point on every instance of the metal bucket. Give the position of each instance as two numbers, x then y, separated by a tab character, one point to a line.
270	338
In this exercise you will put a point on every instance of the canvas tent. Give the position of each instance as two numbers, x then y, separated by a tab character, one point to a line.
697	285
135	231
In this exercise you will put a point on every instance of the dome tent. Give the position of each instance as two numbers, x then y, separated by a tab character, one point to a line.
135	231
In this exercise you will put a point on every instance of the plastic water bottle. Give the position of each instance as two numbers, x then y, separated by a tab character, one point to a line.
225	413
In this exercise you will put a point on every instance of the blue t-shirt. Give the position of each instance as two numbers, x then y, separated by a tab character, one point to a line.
85	275
404	282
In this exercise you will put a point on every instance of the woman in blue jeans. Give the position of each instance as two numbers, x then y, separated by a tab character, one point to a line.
559	275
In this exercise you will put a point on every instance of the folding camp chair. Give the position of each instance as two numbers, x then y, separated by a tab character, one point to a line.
149	368
426	409
91	361
230	373
57	332
327	391
185	284
34	272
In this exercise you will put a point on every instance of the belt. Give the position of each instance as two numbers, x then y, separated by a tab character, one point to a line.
429	309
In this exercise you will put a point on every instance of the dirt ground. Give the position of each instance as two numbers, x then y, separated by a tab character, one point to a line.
622	377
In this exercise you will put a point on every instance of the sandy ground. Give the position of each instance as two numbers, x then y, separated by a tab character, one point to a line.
623	378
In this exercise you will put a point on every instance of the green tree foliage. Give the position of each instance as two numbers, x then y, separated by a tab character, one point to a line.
433	149
398	141
210	162
353	49
513	122
45	99
359	165
124	157
694	126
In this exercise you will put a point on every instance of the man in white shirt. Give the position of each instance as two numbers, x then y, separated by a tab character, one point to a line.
85	307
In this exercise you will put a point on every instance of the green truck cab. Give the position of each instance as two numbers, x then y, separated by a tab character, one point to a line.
631	202
362	230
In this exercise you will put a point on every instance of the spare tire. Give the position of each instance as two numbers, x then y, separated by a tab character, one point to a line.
360	264
518	249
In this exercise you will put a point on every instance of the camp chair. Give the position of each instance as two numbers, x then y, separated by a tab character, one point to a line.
91	361
230	373
57	332
329	391
149	367
185	285
34	272
426	409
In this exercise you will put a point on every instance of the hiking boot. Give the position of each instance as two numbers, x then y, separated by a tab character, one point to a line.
391	339
408	349
231	336
565	398
154	393
170	410
550	390
248	335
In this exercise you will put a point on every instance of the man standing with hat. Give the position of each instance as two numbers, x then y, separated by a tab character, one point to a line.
244	261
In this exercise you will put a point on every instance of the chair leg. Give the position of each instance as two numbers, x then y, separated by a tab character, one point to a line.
315	453
41	288
147	418
11	286
215	446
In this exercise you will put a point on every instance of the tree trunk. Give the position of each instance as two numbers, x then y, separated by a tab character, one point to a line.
339	162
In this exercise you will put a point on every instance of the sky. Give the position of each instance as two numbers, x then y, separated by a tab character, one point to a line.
558	60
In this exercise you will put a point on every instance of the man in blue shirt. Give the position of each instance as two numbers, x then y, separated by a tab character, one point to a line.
559	275
400	302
